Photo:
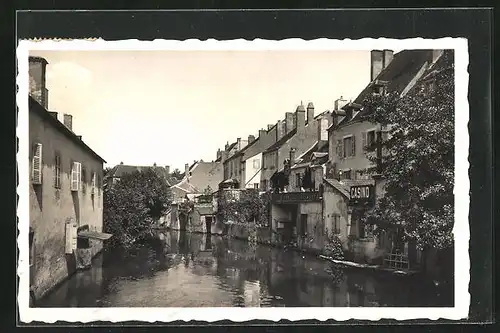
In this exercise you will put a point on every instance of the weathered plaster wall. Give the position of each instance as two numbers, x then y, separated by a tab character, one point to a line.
50	208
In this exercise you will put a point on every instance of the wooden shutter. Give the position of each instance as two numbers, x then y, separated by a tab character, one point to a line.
340	146
364	139
353	146
92	189
36	173
75	176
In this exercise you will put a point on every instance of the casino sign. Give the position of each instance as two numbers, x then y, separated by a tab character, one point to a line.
362	195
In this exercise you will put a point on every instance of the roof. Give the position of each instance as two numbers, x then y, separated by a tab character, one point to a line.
242	151
316	155
122	169
396	76
203	174
38	59
36	107
281	141
344	186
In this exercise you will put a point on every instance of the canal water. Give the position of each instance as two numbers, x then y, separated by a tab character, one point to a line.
195	270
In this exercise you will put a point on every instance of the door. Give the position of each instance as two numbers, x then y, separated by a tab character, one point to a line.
208	224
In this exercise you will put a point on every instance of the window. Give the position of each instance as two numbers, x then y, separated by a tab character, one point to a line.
36	167
336	223
76	172
84	180
99	184
93	183
57	170
303	224
256	186
298	180
346	174
256	164
349	146
369	139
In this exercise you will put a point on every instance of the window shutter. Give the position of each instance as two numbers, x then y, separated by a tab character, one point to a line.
340	147
92	190
75	176
364	139
353	146
37	164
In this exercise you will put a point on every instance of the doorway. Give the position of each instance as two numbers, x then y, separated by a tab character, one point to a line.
208	224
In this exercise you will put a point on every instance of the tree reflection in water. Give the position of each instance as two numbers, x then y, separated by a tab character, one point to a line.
202	270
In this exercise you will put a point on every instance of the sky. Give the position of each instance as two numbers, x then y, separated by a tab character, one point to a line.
174	107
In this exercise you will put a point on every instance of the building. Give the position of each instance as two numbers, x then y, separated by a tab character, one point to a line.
248	161
200	179
121	169
297	132
349	184
231	165
66	201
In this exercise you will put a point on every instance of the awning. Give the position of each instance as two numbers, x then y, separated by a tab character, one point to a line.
94	235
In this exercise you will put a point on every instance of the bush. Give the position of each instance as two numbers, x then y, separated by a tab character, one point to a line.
333	246
133	206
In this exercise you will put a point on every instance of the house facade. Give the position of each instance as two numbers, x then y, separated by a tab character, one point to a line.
66	200
199	178
298	132
349	176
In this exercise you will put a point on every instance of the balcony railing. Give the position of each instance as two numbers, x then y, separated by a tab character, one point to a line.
295	197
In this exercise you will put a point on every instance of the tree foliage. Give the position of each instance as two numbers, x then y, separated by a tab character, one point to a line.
417	165
133	205
243	206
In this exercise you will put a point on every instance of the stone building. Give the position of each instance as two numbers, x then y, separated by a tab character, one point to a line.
349	164
65	192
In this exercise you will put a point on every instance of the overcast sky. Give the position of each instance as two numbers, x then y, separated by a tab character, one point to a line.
174	107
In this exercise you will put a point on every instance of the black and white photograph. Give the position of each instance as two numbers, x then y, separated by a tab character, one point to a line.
165	176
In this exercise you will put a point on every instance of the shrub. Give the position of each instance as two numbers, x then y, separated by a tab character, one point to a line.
133	205
333	246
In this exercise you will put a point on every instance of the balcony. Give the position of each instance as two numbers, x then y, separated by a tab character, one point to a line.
295	197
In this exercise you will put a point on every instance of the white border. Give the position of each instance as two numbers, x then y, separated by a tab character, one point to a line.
461	190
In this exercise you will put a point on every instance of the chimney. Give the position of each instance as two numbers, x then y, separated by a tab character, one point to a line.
269	126
339	103
121	163
37	84
79	137
154	164
53	114
219	154
226	146
238	144
280	129
288	122
68	121
323	129
388	56
186	170
167	169
292	156
310	112
262	133
251	139
300	116
379	61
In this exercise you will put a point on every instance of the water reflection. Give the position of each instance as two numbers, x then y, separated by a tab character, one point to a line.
191	270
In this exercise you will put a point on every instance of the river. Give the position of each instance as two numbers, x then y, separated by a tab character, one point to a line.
195	270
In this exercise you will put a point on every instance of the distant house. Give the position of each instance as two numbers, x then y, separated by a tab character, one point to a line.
200	179
248	161
65	192
121	169
296	134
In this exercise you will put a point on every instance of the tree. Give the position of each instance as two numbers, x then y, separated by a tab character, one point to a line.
249	206
176	173
417	166
133	206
